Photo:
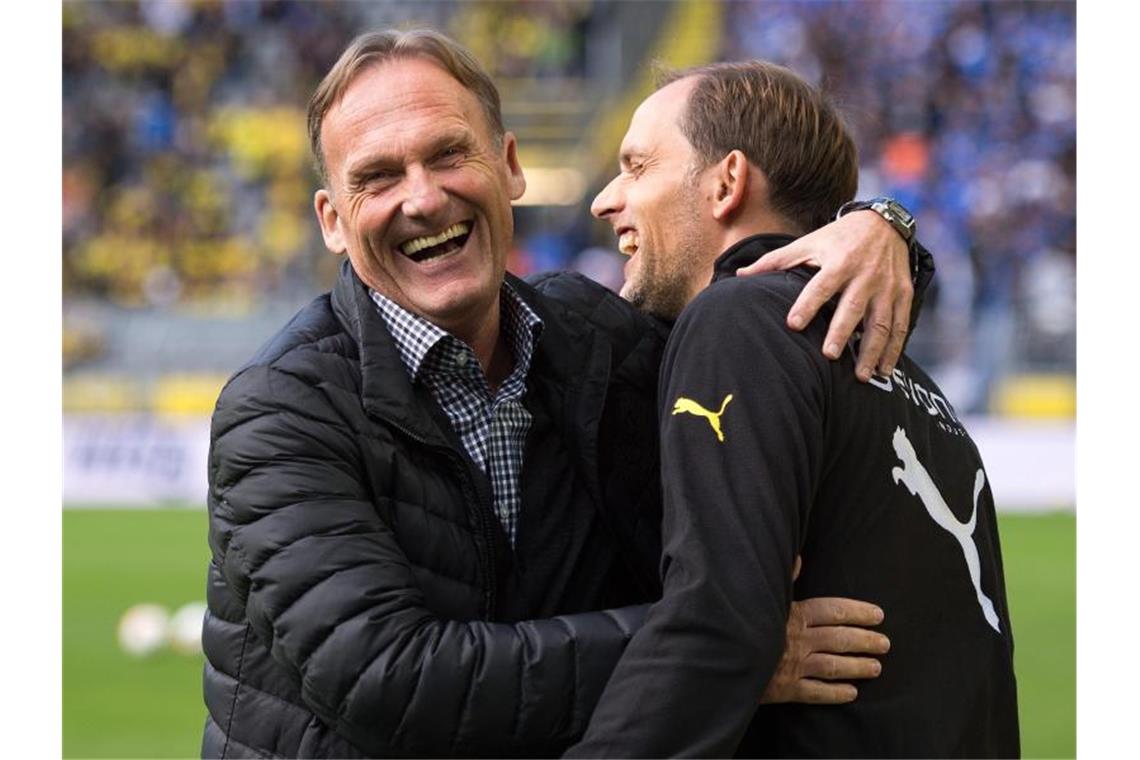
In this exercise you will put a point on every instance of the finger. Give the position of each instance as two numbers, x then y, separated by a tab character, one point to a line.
813	692
848	314
837	610
791	255
814	295
899	331
797	567
876	333
840	639
832	667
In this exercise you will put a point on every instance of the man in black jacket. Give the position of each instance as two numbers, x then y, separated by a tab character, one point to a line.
416	486
769	452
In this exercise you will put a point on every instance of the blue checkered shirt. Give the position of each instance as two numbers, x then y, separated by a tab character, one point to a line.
492	427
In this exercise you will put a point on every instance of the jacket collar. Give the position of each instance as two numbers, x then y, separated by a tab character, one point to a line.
745	252
386	391
566	356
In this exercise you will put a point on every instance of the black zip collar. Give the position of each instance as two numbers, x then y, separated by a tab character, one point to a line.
745	252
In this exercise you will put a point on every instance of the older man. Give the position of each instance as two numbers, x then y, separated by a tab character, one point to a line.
424	488
769	452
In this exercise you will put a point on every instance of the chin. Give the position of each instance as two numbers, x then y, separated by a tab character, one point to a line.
663	305
629	292
456	310
637	300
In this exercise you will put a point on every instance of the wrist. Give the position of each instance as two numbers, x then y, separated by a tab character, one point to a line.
921	264
891	211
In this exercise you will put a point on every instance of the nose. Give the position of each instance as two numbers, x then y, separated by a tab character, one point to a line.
424	197
608	201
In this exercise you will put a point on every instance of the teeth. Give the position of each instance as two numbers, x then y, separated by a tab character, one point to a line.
420	243
628	242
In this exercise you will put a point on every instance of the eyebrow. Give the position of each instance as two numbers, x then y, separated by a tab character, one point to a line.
393	163
372	166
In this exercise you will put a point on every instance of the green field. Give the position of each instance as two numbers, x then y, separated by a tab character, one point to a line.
1040	554
117	706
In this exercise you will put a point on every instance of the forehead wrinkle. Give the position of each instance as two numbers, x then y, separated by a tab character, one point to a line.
662	114
392	103
402	82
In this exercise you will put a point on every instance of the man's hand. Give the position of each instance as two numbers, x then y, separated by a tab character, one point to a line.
862	255
823	648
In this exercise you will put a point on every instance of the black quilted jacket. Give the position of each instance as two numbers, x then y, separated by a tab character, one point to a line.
363	600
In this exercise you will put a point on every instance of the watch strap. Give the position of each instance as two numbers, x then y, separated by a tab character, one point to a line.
891	210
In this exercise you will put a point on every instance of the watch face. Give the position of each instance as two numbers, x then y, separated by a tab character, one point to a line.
895	213
900	213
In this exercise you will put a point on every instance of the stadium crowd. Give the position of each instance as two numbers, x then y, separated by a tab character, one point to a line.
187	181
966	112
187	176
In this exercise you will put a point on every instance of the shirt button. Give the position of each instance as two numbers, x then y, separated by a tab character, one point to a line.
461	360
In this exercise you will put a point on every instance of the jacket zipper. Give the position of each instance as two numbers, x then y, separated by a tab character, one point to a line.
486	554
486	551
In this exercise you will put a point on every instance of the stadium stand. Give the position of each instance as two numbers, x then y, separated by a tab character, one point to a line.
187	223
966	112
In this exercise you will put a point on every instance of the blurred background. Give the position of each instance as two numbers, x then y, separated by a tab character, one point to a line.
189	238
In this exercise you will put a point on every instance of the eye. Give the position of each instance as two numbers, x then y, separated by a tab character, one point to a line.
449	155
374	180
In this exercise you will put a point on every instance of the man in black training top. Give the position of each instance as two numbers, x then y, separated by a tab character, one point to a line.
769	451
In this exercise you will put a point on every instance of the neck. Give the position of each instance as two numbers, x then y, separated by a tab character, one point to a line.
499	365
485	337
755	221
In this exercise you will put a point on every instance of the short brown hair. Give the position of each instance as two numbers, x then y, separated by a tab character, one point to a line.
783	125
374	48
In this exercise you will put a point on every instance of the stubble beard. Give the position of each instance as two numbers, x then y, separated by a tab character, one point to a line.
664	284
662	291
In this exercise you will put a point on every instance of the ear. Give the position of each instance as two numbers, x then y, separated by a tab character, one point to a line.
516	182
329	220
730	185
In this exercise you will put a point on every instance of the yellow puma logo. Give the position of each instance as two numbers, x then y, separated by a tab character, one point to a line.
688	406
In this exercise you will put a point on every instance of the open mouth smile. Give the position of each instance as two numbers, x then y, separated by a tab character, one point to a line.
427	247
628	241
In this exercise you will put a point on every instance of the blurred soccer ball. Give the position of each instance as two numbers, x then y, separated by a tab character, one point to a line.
142	629
186	628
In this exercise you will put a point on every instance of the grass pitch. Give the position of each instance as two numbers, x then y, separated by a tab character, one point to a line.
1040	554
118	706
115	705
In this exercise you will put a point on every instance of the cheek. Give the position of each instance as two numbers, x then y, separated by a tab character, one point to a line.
647	206
497	209
355	206
664	217
370	217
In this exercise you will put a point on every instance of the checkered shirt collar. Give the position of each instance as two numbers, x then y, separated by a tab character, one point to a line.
416	337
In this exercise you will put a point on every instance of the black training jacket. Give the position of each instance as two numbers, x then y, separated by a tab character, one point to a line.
363	599
769	450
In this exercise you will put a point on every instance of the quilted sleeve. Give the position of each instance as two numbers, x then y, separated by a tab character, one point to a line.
325	584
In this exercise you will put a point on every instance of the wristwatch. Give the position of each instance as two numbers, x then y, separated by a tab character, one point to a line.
891	210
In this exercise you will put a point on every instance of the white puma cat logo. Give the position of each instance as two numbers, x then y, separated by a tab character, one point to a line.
917	480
